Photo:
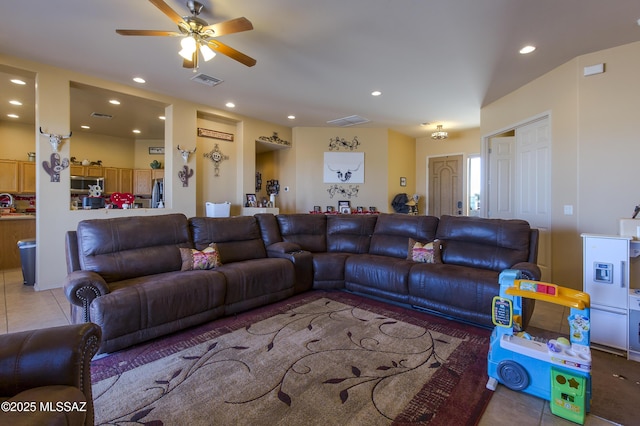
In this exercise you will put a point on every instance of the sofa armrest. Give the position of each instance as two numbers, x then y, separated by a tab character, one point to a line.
302	262
81	287
530	271
283	247
48	356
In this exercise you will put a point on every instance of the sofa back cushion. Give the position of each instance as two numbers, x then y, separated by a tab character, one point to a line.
494	244
392	232
133	246
238	238
307	230
350	233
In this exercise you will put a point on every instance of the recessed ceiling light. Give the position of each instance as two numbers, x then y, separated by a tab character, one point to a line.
527	49
291	117
139	80
13	116
230	105
162	117
85	127
136	131
14	102
18	81
114	101
376	93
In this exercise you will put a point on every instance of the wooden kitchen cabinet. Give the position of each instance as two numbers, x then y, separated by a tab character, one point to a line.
142	181
12	231
27	177
125	180
93	171
111	180
157	174
9	176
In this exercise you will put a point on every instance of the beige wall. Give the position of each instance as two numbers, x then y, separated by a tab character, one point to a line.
402	152
594	147
16	140
312	142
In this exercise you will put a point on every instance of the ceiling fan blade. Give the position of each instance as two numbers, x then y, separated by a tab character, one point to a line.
231	52
166	9
149	33
229	27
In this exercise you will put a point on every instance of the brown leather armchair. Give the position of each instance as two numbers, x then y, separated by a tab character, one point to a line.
45	375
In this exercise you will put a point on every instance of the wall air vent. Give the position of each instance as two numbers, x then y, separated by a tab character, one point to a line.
101	115
351	120
206	79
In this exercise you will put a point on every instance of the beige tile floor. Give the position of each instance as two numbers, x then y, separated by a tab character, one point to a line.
22	308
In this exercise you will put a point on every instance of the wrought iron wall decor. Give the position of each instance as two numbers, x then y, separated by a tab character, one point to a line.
343	167
350	192
184	175
273	187
208	133
275	139
258	181
217	157
337	143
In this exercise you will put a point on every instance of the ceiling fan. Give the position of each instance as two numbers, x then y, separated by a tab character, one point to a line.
197	35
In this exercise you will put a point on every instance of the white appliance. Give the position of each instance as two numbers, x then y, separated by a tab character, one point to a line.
157	194
606	280
634	325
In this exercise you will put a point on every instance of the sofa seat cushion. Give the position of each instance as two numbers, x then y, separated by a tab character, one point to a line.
72	411
460	291
153	300
328	270
388	274
257	282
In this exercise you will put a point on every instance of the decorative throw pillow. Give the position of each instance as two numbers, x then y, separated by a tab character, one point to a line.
208	258
424	252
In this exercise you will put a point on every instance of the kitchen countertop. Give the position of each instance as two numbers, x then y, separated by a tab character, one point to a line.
17	216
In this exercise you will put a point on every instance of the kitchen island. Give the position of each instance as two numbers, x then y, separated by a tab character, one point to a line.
13	228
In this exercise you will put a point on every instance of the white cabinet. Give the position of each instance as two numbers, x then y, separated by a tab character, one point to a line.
606	280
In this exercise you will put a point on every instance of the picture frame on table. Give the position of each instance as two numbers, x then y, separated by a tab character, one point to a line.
344	203
345	210
360	209
330	209
372	209
251	200
317	209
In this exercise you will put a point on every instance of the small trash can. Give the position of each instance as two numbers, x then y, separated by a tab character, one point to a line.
27	249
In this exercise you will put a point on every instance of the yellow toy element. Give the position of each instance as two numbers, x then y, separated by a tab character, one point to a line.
550	293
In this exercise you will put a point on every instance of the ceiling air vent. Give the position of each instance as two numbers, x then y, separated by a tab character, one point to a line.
351	120
206	79
101	115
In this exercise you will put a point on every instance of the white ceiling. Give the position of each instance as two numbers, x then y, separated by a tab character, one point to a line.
436	61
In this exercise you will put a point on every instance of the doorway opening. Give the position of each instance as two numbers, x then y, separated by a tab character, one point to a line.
474	184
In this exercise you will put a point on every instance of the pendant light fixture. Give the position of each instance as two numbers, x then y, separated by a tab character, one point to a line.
439	133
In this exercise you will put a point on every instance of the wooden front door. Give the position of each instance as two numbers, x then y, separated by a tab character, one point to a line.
445	185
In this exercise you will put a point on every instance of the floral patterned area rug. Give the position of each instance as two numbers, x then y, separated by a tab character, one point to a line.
320	358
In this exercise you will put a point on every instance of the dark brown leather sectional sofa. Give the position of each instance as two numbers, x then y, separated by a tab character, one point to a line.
125	273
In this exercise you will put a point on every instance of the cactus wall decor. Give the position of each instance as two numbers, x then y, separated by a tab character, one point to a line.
55	166
185	174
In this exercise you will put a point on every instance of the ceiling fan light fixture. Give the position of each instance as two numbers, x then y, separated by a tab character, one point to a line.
188	47
207	53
